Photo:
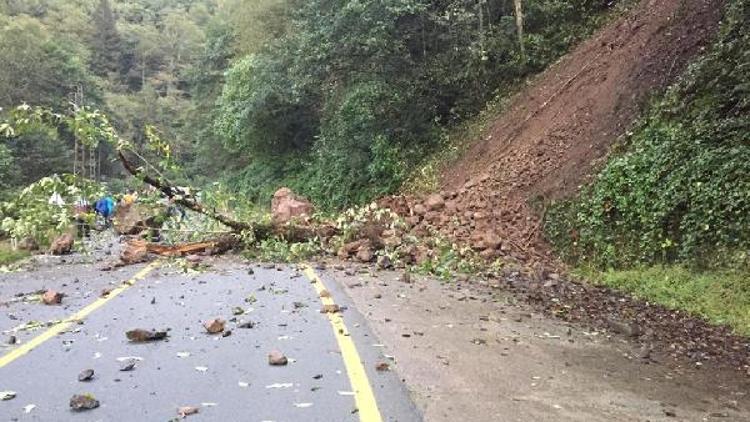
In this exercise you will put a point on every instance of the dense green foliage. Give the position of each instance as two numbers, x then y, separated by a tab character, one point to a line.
143	62
680	192
336	99
356	92
31	215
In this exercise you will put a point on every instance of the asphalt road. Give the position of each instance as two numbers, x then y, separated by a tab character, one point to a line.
332	357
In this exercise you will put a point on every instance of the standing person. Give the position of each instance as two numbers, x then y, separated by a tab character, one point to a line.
106	208
130	197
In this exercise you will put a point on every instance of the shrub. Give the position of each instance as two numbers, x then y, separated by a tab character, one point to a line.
680	191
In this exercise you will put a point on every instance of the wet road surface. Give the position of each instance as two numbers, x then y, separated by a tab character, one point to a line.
331	375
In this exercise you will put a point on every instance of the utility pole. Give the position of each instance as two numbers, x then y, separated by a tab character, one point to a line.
77	104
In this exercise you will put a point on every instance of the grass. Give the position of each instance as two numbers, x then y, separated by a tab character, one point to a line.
721	297
8	255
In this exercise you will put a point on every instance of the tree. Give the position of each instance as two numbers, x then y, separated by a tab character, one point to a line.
36	67
105	42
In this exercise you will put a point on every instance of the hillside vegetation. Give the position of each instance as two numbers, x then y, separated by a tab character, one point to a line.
142	62
357	92
677	190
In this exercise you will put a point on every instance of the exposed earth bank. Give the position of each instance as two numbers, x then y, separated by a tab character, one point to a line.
555	132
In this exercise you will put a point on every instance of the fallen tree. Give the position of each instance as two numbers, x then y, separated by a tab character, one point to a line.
92	127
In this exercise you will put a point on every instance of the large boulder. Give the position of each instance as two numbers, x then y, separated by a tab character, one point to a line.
128	219
62	245
286	206
134	252
131	219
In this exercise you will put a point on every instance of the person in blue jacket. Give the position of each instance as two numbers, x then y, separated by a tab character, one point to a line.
106	208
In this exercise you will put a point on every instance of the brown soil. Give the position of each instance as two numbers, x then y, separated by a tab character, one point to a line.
555	132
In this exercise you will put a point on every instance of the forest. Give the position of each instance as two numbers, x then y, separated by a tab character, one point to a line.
278	92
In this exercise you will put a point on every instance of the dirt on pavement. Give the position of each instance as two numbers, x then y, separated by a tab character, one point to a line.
478	353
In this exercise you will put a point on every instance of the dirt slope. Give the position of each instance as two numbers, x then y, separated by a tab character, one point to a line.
556	131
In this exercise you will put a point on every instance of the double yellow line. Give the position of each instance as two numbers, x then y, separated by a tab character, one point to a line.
78	316
367	406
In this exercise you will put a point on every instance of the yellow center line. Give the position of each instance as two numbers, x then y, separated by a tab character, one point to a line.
78	316
363	396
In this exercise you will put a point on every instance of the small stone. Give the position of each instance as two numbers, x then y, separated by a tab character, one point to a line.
128	365
142	336
86	375
246	325
51	297
330	309
365	254
628	329
276	358
382	366
434	202
7	395
325	293
81	402
384	262
405	278
186	411
214	326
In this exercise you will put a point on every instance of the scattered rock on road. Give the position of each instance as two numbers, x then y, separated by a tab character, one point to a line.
81	402
141	336
86	375
62	245
186	411
136	251
51	297
383	366
214	326
7	395
330	309
276	358
128	365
